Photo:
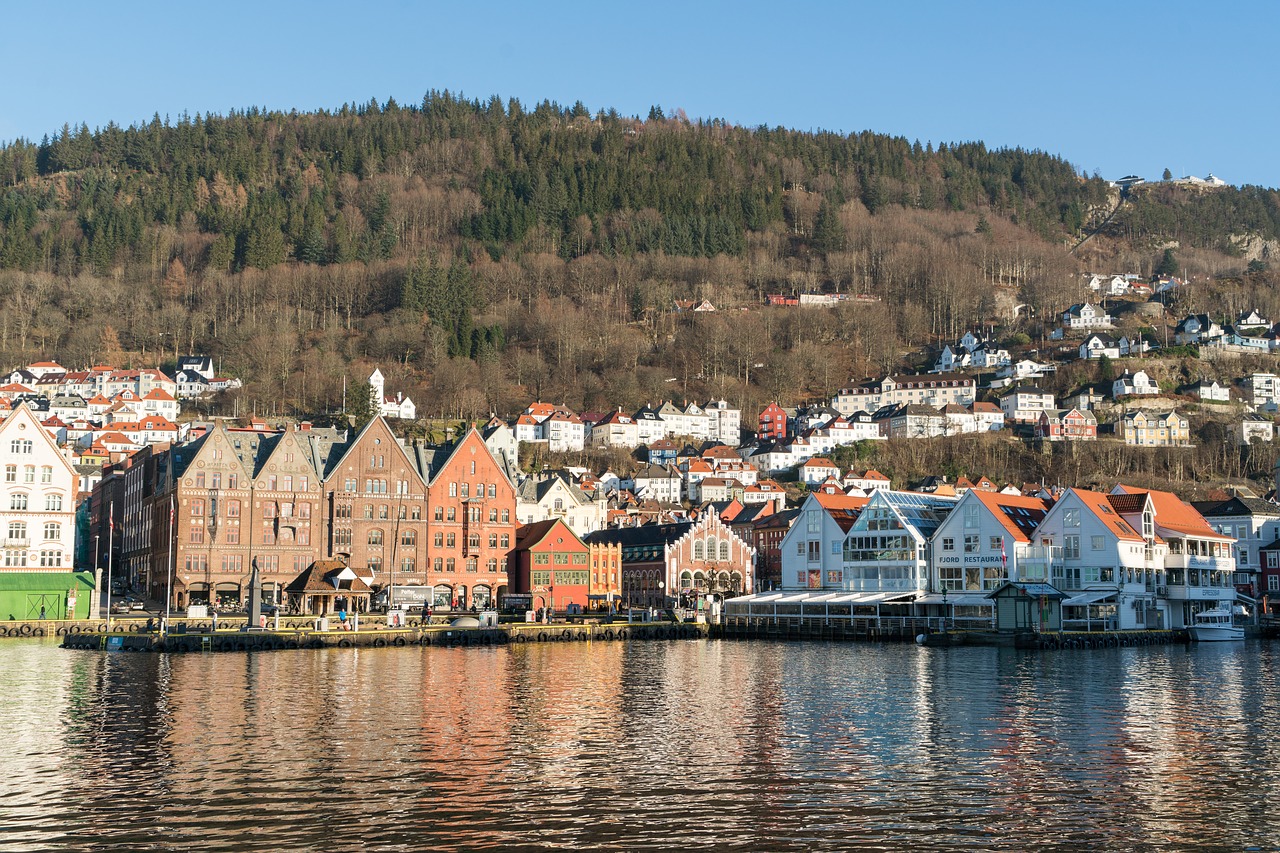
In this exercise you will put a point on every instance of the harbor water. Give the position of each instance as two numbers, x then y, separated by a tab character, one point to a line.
712	745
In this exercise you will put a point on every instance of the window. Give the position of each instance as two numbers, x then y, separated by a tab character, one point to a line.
268	536
407	565
506	516
29	473
197	509
697	550
438	514
970	518
451	540
286	483
17	530
971	544
453	490
11	473
449	565
233	532
493	490
948	544
375	537
506	540
473	541
724	549
1273	583
368	511
466	492
17	501
52	530
50	558
1071	518
1097	543
437	565
416	513
473	565
1071	547
53	503
382	511
20	445
438	540
46	474
492	565
452	514
375	564
996	543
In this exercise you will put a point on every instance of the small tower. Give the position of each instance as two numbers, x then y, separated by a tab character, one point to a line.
376	390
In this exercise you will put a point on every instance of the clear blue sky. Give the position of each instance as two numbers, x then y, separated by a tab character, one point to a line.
1116	86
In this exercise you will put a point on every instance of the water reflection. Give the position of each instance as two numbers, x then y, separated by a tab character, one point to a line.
610	746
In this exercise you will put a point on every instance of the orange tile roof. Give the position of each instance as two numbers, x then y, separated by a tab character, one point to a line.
1100	505
839	501
1173	513
996	503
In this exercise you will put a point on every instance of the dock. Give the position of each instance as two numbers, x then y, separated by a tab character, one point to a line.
201	638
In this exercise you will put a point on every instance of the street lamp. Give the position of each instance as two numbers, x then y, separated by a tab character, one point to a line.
661	593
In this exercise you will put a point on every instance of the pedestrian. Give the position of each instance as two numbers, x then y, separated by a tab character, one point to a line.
42	611
214	615
342	618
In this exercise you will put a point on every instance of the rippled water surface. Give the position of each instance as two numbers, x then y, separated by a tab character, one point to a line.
615	746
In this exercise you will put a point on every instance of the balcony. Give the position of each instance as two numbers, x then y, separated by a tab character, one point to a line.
15	543
1195	561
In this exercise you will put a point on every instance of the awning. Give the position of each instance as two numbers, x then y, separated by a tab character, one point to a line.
967	599
1092	596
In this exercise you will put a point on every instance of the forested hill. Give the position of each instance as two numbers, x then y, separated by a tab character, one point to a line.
483	253
277	186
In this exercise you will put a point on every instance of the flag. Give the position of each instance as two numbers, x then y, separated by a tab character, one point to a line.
111	517
1004	558
171	510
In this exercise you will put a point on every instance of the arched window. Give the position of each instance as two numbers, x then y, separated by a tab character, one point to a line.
53	503
724	549
698	553
17	530
52	530
711	548
409	537
17	501
375	537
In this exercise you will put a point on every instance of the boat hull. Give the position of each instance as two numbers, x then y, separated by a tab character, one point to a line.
1216	633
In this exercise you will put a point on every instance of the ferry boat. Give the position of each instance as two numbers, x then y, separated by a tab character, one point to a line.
1215	625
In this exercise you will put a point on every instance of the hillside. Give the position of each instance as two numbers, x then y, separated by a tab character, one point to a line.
483	253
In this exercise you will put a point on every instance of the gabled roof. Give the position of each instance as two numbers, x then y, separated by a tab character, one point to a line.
531	535
1100	505
1174	514
328	576
1018	515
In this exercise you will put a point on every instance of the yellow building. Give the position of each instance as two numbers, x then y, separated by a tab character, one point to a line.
1155	429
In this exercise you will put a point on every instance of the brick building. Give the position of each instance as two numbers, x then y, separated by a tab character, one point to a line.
403	514
667	565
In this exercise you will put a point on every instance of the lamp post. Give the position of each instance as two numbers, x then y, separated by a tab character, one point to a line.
944	608
662	595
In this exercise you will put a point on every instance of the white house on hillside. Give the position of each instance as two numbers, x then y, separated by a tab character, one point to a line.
398	406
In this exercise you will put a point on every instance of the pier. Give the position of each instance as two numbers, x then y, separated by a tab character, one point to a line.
198	636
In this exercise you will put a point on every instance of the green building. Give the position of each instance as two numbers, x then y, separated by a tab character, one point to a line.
63	595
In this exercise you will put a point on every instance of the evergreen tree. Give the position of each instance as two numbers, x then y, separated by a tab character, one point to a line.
1168	264
828	233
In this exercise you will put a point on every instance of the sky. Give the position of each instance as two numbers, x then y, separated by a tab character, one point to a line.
1114	87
